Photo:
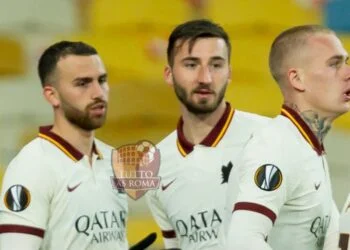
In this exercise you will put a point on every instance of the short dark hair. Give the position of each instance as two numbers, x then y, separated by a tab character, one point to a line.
191	31
49	59
287	43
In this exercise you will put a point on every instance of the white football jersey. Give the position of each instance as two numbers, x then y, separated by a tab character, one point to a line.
344	228
283	175
189	204
50	190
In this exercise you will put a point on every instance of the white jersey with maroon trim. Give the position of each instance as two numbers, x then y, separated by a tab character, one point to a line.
283	175
50	190
344	228
189	204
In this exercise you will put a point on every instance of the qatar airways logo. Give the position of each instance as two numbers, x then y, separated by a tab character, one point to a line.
199	227
319	227
103	226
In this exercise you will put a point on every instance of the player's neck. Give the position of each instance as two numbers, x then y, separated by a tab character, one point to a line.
318	123
197	127
80	139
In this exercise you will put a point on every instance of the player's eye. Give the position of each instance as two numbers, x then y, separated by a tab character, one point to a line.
190	65
217	65
335	64
82	83
102	80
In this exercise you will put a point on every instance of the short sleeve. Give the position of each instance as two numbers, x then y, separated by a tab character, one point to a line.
332	236
263	176
161	218
25	193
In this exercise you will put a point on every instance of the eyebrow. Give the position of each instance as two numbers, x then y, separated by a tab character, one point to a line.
88	78
197	59
103	75
338	57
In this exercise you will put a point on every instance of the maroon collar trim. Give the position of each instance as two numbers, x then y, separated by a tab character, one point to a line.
303	128
212	139
73	153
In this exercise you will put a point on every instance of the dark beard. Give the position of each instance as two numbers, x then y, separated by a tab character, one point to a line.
82	119
203	107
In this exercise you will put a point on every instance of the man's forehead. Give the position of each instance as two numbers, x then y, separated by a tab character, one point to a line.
324	39
82	66
201	47
80	60
73	63
326	42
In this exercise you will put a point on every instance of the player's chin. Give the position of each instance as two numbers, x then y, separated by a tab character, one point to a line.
97	122
204	107
204	100
340	109
345	108
206	96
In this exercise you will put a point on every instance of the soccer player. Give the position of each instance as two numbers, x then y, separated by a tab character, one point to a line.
285	197
57	192
197	158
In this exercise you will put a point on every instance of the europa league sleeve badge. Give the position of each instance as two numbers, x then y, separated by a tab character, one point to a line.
136	168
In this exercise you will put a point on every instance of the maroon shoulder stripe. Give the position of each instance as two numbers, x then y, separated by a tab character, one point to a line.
169	234
10	228
256	208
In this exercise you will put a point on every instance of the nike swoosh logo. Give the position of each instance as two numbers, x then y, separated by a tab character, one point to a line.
167	185
317	186
71	189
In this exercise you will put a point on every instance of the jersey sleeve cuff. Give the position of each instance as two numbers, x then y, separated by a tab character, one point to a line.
11	228
253	207
168	234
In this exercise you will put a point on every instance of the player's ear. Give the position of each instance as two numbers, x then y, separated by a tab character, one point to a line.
51	95
168	75
296	79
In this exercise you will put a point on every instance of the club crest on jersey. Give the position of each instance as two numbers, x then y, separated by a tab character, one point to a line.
17	198
268	177
136	168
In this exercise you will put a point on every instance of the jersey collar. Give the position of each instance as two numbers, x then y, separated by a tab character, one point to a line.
212	139
73	153
303	128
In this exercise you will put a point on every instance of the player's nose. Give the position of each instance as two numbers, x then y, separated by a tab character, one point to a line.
97	90
204	75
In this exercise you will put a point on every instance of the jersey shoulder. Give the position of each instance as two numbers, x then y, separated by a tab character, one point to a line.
167	146
248	122
241	128
169	155
31	155
277	137
32	166
251	117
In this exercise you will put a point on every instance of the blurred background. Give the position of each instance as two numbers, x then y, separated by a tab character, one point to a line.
131	37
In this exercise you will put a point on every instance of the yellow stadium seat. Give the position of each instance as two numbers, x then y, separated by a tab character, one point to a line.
127	57
12	59
137	16
261	14
138	228
2	171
